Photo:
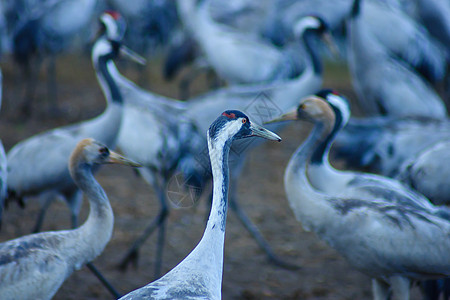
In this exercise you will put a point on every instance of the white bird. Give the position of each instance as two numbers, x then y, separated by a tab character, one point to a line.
199	275
384	84
393	242
38	164
35	266
261	101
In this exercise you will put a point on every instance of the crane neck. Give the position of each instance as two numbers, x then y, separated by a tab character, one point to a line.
302	156
218	153
92	237
208	255
314	61
104	66
305	200
320	154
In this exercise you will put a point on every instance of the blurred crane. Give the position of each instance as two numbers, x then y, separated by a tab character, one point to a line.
236	56
38	165
393	242
35	266
30	170
429	171
384	84
169	147
45	29
405	38
199	275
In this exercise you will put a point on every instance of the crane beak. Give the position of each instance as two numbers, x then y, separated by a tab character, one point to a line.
115	158
289	116
264	133
331	44
130	54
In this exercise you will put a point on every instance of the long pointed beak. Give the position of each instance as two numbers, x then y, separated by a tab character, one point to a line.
264	133
128	53
331	44
289	116
115	158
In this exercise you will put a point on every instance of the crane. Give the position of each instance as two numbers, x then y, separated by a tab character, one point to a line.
38	165
268	98
199	275
390	241
31	171
46	28
36	265
384	84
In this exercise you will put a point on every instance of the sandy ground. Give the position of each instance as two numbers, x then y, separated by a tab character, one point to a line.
247	273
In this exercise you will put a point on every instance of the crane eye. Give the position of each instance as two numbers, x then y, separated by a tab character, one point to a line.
244	121
103	151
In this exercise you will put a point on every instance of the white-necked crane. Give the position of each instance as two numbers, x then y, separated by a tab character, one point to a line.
199	275
393	242
36	265
262	101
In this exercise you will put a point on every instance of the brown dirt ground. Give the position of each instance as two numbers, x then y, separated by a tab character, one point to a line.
247	273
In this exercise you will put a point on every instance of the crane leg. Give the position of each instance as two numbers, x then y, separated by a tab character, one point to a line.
256	234
132	254
52	87
103	280
48	200
380	289
161	235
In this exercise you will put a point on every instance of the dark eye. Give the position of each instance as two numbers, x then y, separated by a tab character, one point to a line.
103	151
244	121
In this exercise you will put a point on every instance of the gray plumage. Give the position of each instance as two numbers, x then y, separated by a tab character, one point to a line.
35	266
236	56
39	164
260	102
429	172
384	84
391	241
384	144
199	275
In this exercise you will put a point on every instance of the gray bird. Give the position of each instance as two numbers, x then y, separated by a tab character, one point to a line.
199	275
261	101
38	164
384	84
36	265
393	242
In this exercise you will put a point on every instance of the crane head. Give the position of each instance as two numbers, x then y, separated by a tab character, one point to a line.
233	125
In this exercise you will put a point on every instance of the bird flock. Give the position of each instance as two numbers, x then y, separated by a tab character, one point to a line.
385	209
